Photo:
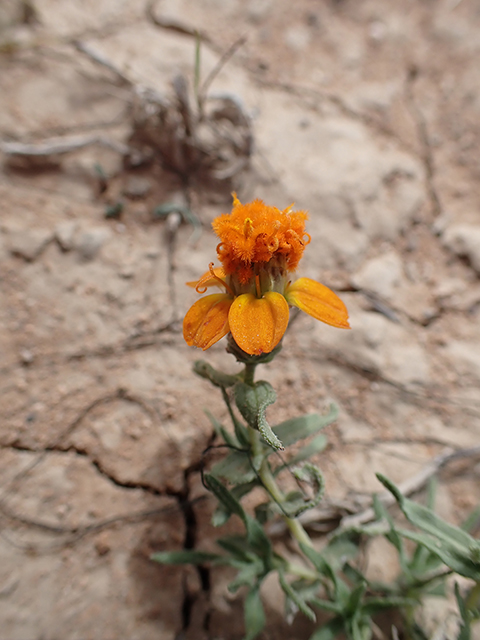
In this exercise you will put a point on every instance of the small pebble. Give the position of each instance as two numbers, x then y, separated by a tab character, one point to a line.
26	356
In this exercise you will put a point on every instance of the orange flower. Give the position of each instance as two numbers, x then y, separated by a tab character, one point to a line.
259	246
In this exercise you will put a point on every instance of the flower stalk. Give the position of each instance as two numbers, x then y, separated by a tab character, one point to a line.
249	373
266	476
270	485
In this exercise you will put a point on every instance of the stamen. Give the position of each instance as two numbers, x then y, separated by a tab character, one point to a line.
257	286
220	281
273	244
248	227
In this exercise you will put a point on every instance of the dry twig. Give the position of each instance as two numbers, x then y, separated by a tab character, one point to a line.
59	146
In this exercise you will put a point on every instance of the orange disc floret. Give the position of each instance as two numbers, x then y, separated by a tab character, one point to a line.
255	233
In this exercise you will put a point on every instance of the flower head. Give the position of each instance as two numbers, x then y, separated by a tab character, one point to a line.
260	246
254	234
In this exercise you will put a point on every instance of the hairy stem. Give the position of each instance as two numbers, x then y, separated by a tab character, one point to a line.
249	373
270	485
226	399
302	572
265	473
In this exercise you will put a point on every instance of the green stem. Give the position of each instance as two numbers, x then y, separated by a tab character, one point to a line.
226	399
302	572
473	599
249	373
265	474
269	483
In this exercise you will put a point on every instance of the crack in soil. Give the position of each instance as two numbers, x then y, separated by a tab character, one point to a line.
83	453
136	341
75	533
313	99
186	506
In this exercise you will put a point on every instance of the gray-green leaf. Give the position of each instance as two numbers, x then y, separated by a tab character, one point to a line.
217	378
299	428
296	597
236	468
252	402
254	614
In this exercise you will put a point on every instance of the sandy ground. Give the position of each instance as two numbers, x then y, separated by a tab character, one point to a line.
367	114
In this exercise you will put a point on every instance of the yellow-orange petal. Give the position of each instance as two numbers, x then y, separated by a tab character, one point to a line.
207	321
318	301
207	280
258	324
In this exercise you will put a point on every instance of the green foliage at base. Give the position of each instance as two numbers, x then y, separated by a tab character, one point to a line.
327	584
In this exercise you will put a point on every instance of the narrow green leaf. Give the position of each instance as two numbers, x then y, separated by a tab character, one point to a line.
429	522
224	496
464	633
330	630
294	429
354	575
318	561
340	549
388	484
326	605
306	587
359	628
222	514
355	600
235	467
456	560
186	556
248	575
296	597
423	562
221	431
392	536
472	520
237	547
259	540
317	445
372	606
217	378
265	511
241	433
324	568
438	590
254	614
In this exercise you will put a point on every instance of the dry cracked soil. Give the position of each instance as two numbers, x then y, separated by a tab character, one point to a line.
367	114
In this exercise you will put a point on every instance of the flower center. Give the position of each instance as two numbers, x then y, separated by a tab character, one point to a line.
248	228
